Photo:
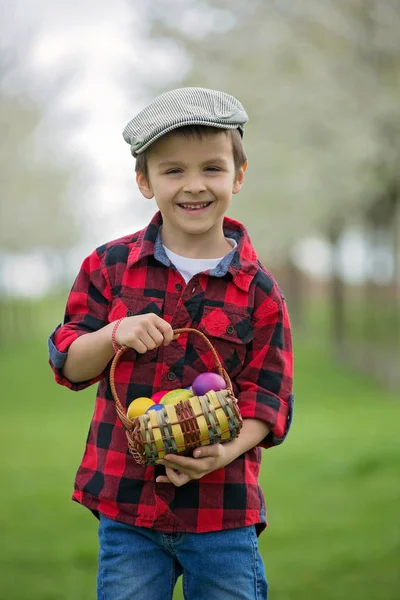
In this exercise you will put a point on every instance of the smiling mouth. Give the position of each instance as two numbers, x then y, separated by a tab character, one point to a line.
194	207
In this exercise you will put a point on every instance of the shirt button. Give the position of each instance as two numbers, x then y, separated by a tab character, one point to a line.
129	313
178	286
230	329
171	376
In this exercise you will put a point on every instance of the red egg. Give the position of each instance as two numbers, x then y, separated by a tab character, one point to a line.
156	397
208	381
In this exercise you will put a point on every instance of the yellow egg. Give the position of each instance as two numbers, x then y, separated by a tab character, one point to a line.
138	407
175	396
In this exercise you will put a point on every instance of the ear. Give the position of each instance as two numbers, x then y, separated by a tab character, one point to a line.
239	179
144	186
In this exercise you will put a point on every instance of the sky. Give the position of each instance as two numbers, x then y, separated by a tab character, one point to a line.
94	51
90	63
93	60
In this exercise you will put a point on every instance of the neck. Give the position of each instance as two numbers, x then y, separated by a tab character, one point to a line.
211	244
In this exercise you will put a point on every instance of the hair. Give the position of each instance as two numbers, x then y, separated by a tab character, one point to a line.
199	132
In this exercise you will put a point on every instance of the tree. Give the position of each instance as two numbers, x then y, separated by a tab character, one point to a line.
32	204
33	213
304	74
321	84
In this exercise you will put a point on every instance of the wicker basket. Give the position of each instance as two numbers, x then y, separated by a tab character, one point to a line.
182	427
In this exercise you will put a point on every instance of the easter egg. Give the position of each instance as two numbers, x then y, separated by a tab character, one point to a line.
138	407
208	381
156	397
175	396
155	407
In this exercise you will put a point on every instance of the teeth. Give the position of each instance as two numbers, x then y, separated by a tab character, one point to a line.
195	206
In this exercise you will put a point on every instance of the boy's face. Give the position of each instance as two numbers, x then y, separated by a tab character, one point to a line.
192	180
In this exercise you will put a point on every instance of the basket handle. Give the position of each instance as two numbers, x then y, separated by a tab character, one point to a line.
127	423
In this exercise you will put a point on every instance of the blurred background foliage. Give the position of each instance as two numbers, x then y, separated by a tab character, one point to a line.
321	84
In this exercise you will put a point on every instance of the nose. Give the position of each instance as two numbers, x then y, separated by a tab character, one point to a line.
194	185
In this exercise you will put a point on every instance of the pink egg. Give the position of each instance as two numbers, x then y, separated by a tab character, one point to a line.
156	397
208	381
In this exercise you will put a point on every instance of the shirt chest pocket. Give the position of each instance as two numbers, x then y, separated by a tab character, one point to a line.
229	332
131	305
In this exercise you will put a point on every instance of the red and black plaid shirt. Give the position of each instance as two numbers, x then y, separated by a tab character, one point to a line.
239	307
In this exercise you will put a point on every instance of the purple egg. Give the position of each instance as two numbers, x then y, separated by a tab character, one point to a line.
208	381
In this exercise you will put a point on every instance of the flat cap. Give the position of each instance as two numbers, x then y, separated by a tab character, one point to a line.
184	106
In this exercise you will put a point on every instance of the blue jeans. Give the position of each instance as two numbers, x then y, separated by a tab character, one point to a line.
136	563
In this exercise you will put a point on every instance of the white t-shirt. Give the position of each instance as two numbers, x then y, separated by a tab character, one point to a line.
188	267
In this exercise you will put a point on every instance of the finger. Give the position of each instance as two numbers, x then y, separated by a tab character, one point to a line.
212	450
165	329
192	467
165	479
162	479
168	336
142	342
155	335
151	337
137	345
179	462
176	477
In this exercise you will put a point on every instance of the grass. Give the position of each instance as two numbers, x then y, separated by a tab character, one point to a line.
332	489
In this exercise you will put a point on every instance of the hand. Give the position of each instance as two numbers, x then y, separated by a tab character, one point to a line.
144	332
182	469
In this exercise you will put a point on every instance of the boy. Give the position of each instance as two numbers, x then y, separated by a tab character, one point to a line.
191	267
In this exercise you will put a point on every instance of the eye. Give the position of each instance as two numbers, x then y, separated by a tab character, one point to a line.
173	171
213	169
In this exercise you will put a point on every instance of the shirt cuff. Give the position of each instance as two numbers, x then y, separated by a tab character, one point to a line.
57	360
277	413
273	440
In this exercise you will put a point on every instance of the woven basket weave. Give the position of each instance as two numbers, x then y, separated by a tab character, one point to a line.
182	427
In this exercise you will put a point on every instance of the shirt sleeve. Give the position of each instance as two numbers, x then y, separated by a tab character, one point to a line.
265	383
87	310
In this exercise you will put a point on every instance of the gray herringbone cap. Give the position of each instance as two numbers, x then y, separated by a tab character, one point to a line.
184	106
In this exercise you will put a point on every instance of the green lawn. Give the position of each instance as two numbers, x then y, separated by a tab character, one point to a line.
332	490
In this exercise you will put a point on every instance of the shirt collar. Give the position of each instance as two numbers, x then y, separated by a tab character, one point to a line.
241	262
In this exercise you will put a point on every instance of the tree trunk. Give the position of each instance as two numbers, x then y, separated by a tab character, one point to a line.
294	294
337	292
396	276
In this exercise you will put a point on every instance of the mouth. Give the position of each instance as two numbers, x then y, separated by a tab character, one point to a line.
194	206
